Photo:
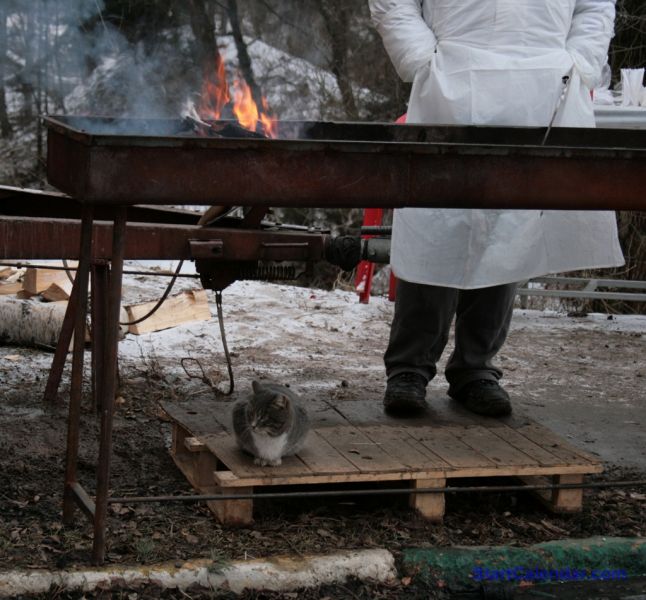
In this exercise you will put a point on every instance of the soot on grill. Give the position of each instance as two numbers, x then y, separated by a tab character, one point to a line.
218	129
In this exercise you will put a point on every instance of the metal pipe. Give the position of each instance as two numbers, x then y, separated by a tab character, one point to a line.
100	285
76	385
633	297
125	272
377	492
62	346
376	230
109	385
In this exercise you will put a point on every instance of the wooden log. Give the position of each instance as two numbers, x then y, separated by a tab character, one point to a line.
183	308
30	322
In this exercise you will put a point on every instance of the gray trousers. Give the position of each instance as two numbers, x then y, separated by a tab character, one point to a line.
420	330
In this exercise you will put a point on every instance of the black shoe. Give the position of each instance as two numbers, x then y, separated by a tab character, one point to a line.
484	397
405	394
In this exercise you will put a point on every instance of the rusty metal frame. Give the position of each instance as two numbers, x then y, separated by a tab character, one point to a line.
349	165
101	247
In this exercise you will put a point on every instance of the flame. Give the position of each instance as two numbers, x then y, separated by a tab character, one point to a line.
244	107
269	123
216	95
215	92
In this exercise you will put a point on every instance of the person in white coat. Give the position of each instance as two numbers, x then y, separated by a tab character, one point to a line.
501	63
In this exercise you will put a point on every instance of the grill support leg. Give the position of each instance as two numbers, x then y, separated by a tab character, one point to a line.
76	386
107	392
62	346
100	283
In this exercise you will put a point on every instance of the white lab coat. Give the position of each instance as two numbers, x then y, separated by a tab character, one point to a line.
498	62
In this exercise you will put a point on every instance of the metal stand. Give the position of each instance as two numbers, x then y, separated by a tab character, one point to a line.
105	329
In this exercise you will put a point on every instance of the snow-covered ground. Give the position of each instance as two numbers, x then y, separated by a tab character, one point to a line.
585	377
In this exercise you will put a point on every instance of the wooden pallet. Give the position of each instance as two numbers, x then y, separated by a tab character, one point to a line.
354	442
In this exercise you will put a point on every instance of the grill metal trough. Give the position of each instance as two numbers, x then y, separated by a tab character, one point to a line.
319	164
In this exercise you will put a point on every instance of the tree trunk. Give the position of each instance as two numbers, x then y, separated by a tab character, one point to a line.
244	60
5	125
337	18
201	15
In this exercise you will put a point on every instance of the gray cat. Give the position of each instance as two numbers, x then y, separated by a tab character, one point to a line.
270	423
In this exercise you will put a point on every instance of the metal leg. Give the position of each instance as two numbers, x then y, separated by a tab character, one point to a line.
109	385
62	346
76	387
100	277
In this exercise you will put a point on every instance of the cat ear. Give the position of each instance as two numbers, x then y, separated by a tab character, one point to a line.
256	386
280	401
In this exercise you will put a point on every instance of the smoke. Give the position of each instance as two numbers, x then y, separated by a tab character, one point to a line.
76	57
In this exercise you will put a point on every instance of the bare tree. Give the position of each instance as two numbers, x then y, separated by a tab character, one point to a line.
337	16
5	125
202	19
244	60
628	48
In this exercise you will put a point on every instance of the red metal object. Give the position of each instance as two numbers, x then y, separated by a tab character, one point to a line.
365	269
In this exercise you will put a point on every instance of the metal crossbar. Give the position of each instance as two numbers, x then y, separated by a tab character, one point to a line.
589	289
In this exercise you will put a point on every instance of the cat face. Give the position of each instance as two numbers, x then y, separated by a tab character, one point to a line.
268	413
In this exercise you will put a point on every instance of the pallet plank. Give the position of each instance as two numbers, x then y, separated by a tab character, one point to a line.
517	440
495	448
360	450
449	448
322	458
556	445
225	447
199	416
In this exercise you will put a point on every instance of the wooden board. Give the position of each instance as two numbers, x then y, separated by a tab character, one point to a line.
58	291
7	289
339	452
186	307
36	280
6	272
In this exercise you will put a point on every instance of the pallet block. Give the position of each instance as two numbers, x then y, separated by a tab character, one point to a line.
353	444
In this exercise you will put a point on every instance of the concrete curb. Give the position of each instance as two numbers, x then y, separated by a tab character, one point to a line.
600	558
275	574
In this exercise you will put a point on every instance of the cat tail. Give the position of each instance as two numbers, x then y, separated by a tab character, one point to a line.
241	428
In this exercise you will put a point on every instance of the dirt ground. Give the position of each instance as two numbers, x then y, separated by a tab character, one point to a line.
327	347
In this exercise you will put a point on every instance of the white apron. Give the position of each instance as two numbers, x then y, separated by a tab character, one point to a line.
497	62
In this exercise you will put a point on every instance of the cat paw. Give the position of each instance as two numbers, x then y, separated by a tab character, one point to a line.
275	463
261	462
